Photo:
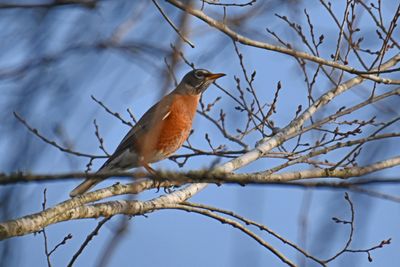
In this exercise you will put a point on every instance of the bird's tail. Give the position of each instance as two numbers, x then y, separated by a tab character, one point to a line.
89	183
84	187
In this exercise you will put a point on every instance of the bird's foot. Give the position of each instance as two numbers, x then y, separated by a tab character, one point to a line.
169	190
158	182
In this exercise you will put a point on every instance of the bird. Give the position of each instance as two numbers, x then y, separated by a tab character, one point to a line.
160	132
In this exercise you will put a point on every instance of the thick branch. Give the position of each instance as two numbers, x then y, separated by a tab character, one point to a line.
216	177
75	209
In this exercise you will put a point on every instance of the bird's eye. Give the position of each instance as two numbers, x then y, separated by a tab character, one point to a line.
199	75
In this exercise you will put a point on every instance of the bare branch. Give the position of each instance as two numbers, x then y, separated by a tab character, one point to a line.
53	143
87	240
115	114
258	225
249	3
247	41
172	24
84	3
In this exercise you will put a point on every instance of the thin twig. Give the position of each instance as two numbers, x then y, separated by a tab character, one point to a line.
46	247
53	143
258	225
115	114
172	24
87	240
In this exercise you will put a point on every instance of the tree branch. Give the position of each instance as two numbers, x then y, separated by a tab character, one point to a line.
250	42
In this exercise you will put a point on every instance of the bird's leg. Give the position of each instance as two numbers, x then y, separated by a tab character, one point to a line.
153	172
158	180
149	169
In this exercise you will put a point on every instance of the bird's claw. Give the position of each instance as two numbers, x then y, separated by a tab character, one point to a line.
168	190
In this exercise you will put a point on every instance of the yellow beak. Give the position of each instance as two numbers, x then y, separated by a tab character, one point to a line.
214	76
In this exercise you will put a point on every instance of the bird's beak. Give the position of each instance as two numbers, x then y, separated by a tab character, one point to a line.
214	76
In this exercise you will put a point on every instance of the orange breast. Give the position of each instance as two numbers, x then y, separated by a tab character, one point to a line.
176	126
168	135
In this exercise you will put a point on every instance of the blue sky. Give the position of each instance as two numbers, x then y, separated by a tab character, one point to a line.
176	238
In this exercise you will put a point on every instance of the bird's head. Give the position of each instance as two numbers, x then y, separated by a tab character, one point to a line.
197	81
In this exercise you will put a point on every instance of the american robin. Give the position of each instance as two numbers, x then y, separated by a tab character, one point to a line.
160	131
